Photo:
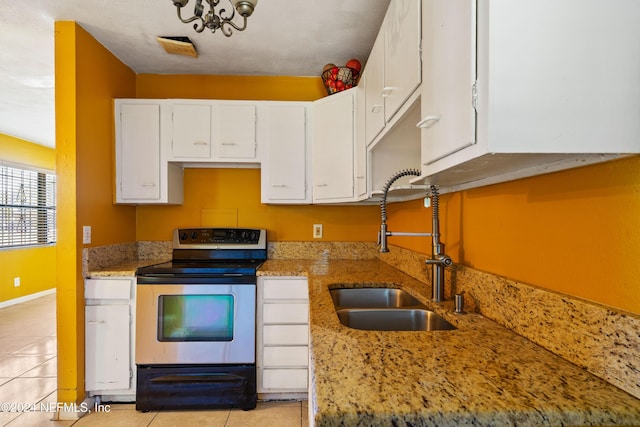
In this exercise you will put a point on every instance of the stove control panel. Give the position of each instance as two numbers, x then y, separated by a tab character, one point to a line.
218	236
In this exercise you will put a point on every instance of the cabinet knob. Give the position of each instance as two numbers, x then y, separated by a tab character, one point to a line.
427	121
376	108
386	91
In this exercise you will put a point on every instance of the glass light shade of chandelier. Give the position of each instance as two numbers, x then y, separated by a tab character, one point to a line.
214	22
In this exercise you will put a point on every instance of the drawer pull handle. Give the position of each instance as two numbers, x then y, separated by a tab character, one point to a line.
376	108
428	121
386	91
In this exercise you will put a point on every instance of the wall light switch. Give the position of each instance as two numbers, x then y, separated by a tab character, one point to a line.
16	281
317	231
86	234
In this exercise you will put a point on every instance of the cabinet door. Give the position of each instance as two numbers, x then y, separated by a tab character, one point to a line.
360	144
333	147
449	51
235	132
373	86
402	71
107	347
284	166
138	146
191	131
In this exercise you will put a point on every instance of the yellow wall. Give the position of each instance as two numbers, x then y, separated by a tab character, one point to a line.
87	78
239	189
576	232
20	262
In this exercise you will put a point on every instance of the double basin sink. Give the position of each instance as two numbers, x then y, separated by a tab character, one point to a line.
385	309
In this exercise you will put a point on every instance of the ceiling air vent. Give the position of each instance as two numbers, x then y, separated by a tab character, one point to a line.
178	46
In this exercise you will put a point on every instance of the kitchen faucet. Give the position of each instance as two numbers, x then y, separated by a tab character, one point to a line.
438	259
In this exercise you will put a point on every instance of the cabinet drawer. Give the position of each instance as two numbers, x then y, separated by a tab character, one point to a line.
286	313
107	289
277	357
285	334
285	379
285	289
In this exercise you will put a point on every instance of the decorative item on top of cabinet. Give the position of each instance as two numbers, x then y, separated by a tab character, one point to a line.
143	173
282	337
286	171
546	101
110	338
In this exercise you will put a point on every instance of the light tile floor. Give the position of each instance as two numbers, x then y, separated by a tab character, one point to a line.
28	367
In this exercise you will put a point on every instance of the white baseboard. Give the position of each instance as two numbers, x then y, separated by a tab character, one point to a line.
26	298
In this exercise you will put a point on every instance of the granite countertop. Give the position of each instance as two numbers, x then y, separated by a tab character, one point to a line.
480	374
124	269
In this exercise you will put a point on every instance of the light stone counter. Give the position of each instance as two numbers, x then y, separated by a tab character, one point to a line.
122	269
480	374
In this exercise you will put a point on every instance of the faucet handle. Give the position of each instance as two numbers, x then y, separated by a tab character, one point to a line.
443	260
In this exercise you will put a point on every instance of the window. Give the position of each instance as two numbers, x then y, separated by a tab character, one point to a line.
27	207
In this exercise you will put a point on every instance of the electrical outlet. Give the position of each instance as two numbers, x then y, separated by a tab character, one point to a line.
16	282
86	234
317	231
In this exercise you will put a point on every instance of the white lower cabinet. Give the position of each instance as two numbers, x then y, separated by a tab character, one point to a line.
110	338
283	336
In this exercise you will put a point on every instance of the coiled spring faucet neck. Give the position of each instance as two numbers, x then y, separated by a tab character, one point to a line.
383	233
438	258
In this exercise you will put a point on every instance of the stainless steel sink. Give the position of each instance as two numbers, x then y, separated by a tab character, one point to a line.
372	298
393	319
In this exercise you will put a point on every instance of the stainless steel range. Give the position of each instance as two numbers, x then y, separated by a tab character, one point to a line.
195	327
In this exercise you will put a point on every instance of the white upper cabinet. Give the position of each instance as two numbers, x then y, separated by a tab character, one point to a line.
372	81
285	173
393	69
449	74
402	71
143	174
557	87
213	131
333	148
234	131
190	131
361	181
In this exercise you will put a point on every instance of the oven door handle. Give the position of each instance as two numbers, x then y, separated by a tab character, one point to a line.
196	378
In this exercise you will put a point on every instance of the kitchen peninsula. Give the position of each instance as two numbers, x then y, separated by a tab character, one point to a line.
479	374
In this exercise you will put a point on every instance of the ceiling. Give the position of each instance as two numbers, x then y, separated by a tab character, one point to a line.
287	38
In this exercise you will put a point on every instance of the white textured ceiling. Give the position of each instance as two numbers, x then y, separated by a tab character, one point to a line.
289	38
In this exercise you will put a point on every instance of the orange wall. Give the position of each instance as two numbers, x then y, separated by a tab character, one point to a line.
20	262
207	191
87	78
266	88
576	232
239	189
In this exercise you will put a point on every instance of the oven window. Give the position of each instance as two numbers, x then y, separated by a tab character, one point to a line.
195	318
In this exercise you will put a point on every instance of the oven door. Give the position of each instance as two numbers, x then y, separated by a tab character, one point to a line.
195	324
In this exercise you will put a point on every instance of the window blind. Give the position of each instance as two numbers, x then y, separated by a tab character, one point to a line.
27	207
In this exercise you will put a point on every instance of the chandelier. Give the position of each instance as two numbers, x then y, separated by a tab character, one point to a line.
212	21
